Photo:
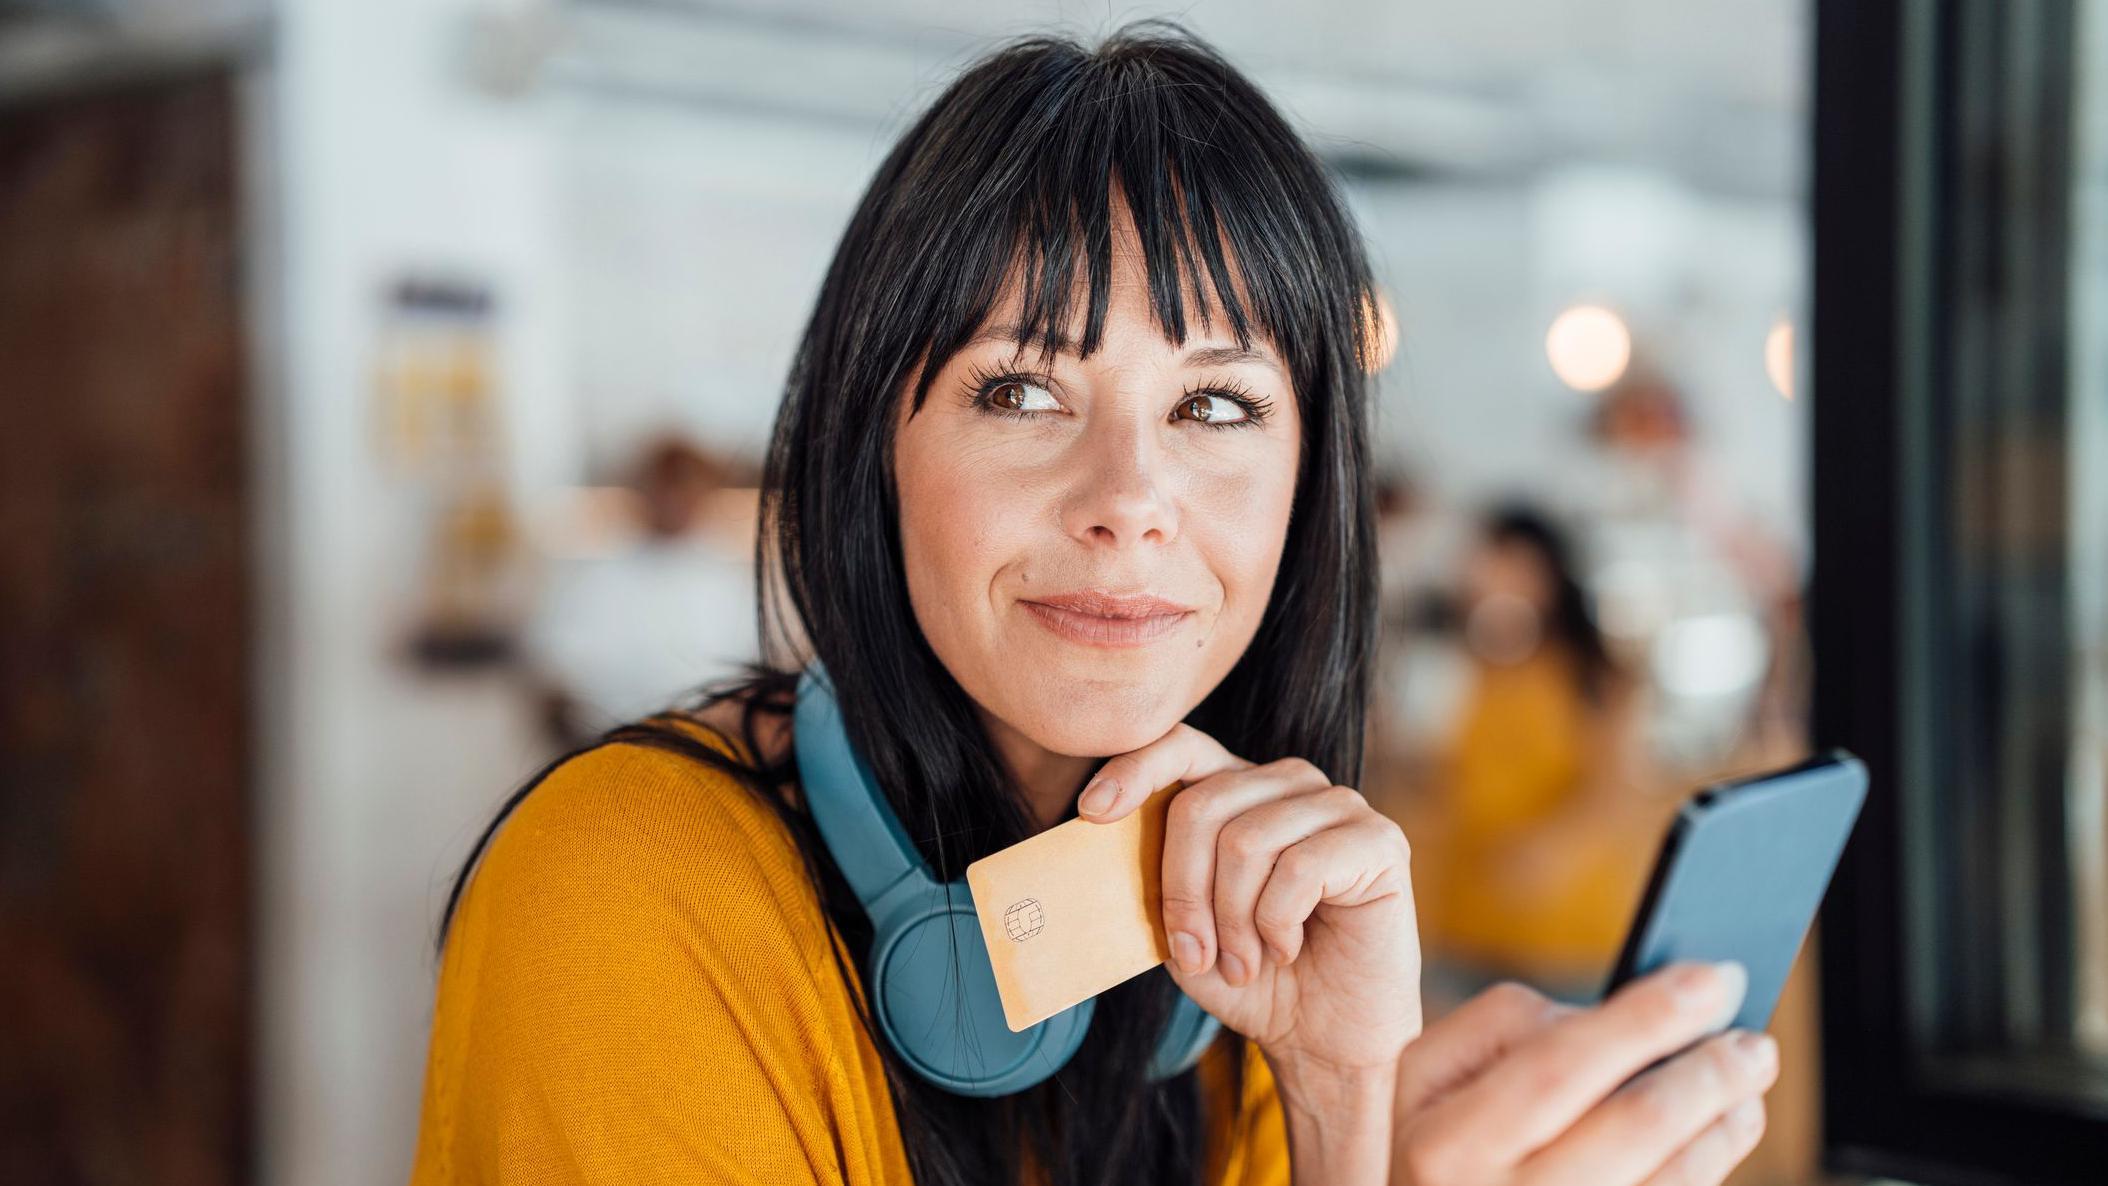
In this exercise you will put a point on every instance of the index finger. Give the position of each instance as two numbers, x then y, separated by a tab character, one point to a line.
1183	754
1524	1102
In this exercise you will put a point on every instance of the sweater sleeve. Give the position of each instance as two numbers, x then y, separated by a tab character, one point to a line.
1256	1151
639	988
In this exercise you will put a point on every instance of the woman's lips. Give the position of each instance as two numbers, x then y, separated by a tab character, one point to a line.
1094	630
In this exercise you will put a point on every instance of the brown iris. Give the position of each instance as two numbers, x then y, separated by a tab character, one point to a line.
1198	406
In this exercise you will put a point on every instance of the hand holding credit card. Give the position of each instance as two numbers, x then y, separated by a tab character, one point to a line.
1279	902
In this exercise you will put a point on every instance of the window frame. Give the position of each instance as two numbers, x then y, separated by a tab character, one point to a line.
1930	117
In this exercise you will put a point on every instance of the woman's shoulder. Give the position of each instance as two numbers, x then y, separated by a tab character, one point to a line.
645	835
649	773
638	984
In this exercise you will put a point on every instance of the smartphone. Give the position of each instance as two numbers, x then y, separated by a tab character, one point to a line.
1741	873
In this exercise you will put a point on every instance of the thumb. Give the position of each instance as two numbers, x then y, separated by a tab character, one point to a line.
1470	1038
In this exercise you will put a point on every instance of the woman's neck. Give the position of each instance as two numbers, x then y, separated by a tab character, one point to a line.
1050	781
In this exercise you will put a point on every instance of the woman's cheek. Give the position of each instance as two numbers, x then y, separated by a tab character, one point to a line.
957	515
1238	518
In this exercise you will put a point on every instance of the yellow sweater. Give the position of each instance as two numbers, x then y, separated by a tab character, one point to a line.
1522	752
637	988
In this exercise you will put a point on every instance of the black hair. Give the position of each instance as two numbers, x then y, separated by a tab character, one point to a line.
1009	174
1572	621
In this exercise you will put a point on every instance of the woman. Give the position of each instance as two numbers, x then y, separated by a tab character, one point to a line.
1543	829
1071	465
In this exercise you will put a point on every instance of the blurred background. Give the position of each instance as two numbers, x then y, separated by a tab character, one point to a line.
384	386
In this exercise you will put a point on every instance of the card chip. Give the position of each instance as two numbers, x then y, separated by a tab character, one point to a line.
1024	920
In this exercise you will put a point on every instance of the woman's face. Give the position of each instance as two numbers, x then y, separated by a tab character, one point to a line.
1133	473
1509	592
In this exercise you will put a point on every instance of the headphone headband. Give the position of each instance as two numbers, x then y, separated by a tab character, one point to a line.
859	826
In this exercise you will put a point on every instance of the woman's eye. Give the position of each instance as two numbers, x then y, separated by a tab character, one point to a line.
1214	409
1016	395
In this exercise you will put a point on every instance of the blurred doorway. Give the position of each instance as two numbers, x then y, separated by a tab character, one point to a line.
125	628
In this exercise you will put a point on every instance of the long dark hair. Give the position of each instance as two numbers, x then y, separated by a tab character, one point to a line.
1010	169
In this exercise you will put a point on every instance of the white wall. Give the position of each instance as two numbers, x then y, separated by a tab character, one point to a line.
697	239
1478	270
384	163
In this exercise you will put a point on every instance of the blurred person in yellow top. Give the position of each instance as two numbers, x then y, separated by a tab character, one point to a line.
1532	832
1069	494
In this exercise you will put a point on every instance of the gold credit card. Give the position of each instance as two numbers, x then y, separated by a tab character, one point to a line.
1074	910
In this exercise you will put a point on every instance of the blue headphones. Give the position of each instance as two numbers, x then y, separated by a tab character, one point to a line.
932	989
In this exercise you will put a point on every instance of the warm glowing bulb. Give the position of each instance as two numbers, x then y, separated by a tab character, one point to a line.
1778	356
1383	336
1588	346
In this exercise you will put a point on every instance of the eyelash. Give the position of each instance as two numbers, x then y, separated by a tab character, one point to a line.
982	385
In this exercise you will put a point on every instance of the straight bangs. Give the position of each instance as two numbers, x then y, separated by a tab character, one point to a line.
1231	213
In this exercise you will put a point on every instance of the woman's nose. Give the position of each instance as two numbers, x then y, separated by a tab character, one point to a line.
1119	492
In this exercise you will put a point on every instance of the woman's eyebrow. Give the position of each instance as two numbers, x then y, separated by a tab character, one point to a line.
1198	357
1209	356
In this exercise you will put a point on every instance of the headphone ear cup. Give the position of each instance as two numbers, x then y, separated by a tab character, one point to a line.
1061	1036
937	1003
1187	1035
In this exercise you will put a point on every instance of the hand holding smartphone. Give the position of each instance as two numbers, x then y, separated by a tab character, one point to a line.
1741	874
1513	1086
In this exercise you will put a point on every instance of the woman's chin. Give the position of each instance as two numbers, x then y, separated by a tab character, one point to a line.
1087	726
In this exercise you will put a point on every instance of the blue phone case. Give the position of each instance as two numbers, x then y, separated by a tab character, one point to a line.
1741	874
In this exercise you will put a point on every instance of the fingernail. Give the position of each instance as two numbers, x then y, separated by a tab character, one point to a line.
1742	1118
1734	983
1232	968
1185	949
1098	796
1756	1048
